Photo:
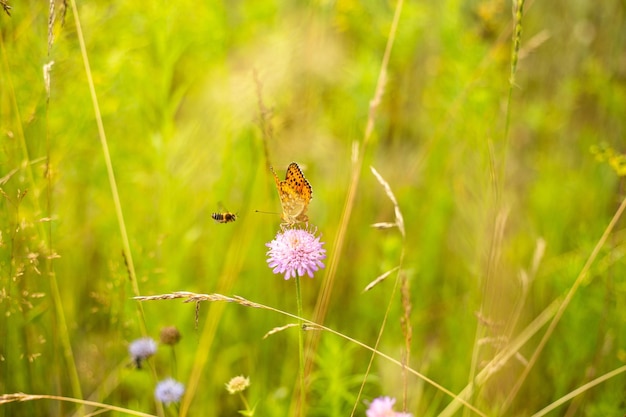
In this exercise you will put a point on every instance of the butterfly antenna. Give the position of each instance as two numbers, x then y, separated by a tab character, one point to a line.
265	212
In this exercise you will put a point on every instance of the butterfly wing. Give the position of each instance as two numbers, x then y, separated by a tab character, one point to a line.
295	193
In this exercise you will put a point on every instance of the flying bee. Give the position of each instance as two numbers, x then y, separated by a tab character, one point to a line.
224	217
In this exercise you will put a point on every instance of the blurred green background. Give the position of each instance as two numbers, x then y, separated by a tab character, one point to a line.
176	88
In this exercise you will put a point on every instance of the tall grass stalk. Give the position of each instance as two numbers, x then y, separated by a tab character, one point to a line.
568	298
109	165
7	398
112	183
400	281
376	344
518	13
498	177
580	390
64	332
50	255
501	358
321	306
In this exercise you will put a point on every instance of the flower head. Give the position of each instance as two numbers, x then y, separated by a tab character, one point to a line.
169	391
237	384
140	349
170	335
295	251
383	407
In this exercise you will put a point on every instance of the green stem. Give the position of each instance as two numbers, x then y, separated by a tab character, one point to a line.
174	362
245	403
300	343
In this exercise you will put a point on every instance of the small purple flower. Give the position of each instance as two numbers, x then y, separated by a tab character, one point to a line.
383	407
295	251
169	391
141	349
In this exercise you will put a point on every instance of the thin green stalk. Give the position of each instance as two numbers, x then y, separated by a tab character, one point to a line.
498	183
568	298
114	190
109	164
375	347
63	331
21	397
400	279
300	343
324	297
159	405
174	362
245	403
515	47
580	390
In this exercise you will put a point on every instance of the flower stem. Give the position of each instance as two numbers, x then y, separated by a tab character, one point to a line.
300	344
245	403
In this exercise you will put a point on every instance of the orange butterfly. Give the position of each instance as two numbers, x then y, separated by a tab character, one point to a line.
295	193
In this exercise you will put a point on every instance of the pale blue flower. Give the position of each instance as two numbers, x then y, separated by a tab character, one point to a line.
169	391
141	349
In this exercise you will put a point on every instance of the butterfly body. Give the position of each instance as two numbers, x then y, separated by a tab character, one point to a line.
295	193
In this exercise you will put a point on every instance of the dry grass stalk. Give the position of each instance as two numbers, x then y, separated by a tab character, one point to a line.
379	279
399	218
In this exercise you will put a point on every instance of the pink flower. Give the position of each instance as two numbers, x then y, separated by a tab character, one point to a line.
295	251
383	407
